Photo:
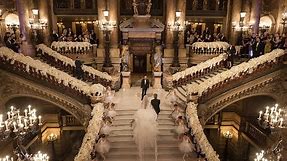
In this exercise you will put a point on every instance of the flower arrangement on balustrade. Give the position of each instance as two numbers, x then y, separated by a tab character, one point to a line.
209	64
63	46
46	70
210	45
68	61
92	132
198	133
233	73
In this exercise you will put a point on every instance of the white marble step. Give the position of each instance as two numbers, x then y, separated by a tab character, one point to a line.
160	117
128	121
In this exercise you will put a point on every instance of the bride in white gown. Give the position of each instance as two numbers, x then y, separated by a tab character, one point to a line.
145	128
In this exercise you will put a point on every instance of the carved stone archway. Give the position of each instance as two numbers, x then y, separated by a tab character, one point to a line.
12	86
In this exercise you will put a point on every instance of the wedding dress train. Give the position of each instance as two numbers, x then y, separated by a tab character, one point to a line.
145	128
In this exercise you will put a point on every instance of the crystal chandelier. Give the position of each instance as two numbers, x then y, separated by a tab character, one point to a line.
260	156
271	118
19	124
36	157
272	154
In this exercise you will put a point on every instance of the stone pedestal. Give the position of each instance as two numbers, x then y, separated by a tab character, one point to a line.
126	80
157	80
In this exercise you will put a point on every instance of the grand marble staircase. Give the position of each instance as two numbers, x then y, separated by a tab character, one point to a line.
123	147
181	90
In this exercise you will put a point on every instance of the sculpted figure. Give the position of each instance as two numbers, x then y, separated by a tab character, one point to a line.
135	7
157	59
148	8
125	58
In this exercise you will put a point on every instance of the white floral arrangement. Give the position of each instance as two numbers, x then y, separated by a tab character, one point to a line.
211	45
68	61
200	67
202	141
67	46
234	72
45	69
92	132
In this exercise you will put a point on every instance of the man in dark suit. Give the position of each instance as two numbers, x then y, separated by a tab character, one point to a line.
258	47
79	73
144	86
155	104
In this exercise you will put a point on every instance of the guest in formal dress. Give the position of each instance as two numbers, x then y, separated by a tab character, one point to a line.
185	146
103	146
257	47
144	86
155	104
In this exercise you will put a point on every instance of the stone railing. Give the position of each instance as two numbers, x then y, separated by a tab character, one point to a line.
197	131
44	74
256	134
92	132
209	48
64	47
70	120
188	75
67	64
237	73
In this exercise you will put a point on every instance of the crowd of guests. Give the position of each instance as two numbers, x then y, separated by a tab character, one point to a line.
188	144
68	35
192	36
254	45
12	42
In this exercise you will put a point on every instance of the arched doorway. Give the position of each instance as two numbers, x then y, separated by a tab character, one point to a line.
266	23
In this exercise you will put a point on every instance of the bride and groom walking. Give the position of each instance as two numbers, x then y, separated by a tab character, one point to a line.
145	127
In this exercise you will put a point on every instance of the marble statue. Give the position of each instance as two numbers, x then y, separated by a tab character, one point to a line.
157	59
135	7
149	4
125	58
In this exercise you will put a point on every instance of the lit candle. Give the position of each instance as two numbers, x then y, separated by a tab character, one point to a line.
279	111
25	123
19	120
40	120
1	120
272	109
29	108
31	121
14	125
12	108
26	113
267	108
281	122
260	114
6	126
18	112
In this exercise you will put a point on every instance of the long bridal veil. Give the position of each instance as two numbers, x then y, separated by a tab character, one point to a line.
145	128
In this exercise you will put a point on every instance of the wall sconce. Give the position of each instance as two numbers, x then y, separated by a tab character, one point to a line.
106	13
35	22
1	19
177	14
242	14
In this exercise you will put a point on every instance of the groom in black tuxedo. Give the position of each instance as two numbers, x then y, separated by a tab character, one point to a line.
155	104
144	86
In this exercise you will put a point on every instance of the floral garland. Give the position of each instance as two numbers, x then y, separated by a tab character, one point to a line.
200	67
194	123
212	45
68	46
92	132
234	72
71	62
45	70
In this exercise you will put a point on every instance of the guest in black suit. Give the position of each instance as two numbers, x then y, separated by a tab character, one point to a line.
155	104
144	86
258	47
79	73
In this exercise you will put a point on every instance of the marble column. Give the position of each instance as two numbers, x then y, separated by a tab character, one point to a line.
23	13
235	17
46	14
113	8
256	8
101	7
170	18
181	6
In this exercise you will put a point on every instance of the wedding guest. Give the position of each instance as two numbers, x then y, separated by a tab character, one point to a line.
111	111
155	104
176	113
144	86
106	128
257	47
103	146
79	73
93	37
185	146
181	127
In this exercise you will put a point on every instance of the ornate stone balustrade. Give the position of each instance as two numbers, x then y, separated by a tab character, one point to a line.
42	73
187	76
64	47
66	64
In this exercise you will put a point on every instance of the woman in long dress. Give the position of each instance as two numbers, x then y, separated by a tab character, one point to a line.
109	95
145	128
185	146
176	112
111	112
106	129
103	146
181	127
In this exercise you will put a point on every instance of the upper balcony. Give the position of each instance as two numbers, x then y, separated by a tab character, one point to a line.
75	7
